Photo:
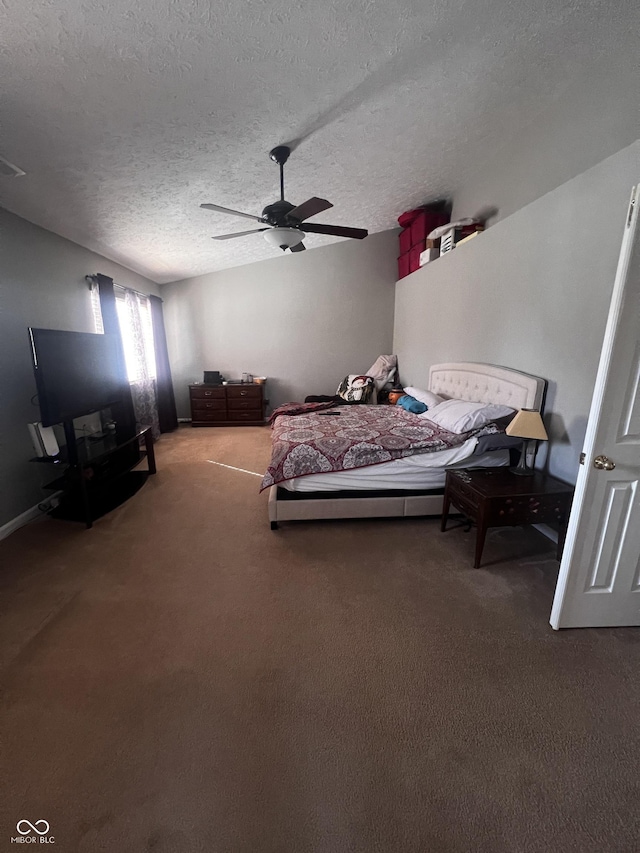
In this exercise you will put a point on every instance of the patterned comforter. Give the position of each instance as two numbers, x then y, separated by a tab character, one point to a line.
358	436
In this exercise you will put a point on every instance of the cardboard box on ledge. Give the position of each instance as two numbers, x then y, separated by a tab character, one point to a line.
429	255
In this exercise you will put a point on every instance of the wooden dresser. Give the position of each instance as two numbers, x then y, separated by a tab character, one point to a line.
227	405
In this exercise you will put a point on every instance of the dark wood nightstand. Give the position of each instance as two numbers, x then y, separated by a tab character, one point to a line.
496	497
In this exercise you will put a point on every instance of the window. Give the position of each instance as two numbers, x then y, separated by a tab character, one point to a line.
136	330
134	315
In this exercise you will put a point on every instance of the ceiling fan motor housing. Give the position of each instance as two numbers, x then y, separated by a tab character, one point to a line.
276	213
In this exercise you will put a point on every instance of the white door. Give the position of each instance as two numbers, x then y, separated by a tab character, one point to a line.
599	581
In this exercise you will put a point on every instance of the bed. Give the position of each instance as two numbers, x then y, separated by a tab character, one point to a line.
409	485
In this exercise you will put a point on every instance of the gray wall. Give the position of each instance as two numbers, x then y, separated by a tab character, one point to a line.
41	284
532	293
581	125
303	320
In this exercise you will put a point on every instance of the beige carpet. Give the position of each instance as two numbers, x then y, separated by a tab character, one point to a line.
181	678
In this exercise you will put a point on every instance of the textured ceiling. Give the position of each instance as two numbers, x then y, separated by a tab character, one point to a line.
126	116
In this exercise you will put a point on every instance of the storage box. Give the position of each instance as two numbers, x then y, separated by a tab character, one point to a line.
429	255
405	240
424	223
447	241
467	230
467	238
403	265
414	258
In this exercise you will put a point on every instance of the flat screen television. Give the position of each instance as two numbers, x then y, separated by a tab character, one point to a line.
76	373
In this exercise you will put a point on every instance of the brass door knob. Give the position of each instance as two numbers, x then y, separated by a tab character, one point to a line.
603	463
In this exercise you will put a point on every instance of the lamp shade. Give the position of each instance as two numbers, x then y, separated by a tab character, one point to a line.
283	238
527	424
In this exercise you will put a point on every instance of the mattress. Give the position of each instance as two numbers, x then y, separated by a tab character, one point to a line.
421	471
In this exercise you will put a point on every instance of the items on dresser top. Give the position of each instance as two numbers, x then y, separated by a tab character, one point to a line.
233	404
213	377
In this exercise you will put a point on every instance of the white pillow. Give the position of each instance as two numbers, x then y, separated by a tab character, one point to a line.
460	416
427	397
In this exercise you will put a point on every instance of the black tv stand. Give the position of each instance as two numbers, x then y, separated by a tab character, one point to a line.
98	475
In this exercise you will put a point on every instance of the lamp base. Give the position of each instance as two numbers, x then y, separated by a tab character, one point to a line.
523	472
522	468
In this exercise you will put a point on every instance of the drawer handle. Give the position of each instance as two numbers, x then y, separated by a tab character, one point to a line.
207	393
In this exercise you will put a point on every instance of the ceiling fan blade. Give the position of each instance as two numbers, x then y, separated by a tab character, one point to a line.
238	234
219	209
309	208
299	248
336	230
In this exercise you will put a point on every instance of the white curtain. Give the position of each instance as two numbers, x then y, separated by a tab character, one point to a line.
134	316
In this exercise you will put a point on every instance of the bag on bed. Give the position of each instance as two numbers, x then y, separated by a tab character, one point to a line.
357	388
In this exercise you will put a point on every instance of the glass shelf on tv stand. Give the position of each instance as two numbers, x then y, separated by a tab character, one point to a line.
94	453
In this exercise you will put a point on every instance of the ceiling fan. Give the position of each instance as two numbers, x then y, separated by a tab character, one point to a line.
284	220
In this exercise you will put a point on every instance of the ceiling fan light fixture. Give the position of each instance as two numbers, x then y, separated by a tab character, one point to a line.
283	238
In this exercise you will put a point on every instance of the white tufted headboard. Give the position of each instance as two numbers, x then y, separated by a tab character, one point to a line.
486	383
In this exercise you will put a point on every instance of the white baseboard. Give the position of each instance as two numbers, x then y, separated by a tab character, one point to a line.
184	420
19	521
25	517
547	531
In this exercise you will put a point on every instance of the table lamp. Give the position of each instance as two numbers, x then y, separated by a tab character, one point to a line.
528	425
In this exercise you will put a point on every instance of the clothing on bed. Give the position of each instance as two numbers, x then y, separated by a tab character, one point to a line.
382	374
302	408
412	405
430	399
361	435
384	371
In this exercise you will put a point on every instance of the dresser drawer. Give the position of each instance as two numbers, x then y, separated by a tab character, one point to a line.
240	404
242	392
464	504
245	415
199	405
528	509
464	490
209	415
207	392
